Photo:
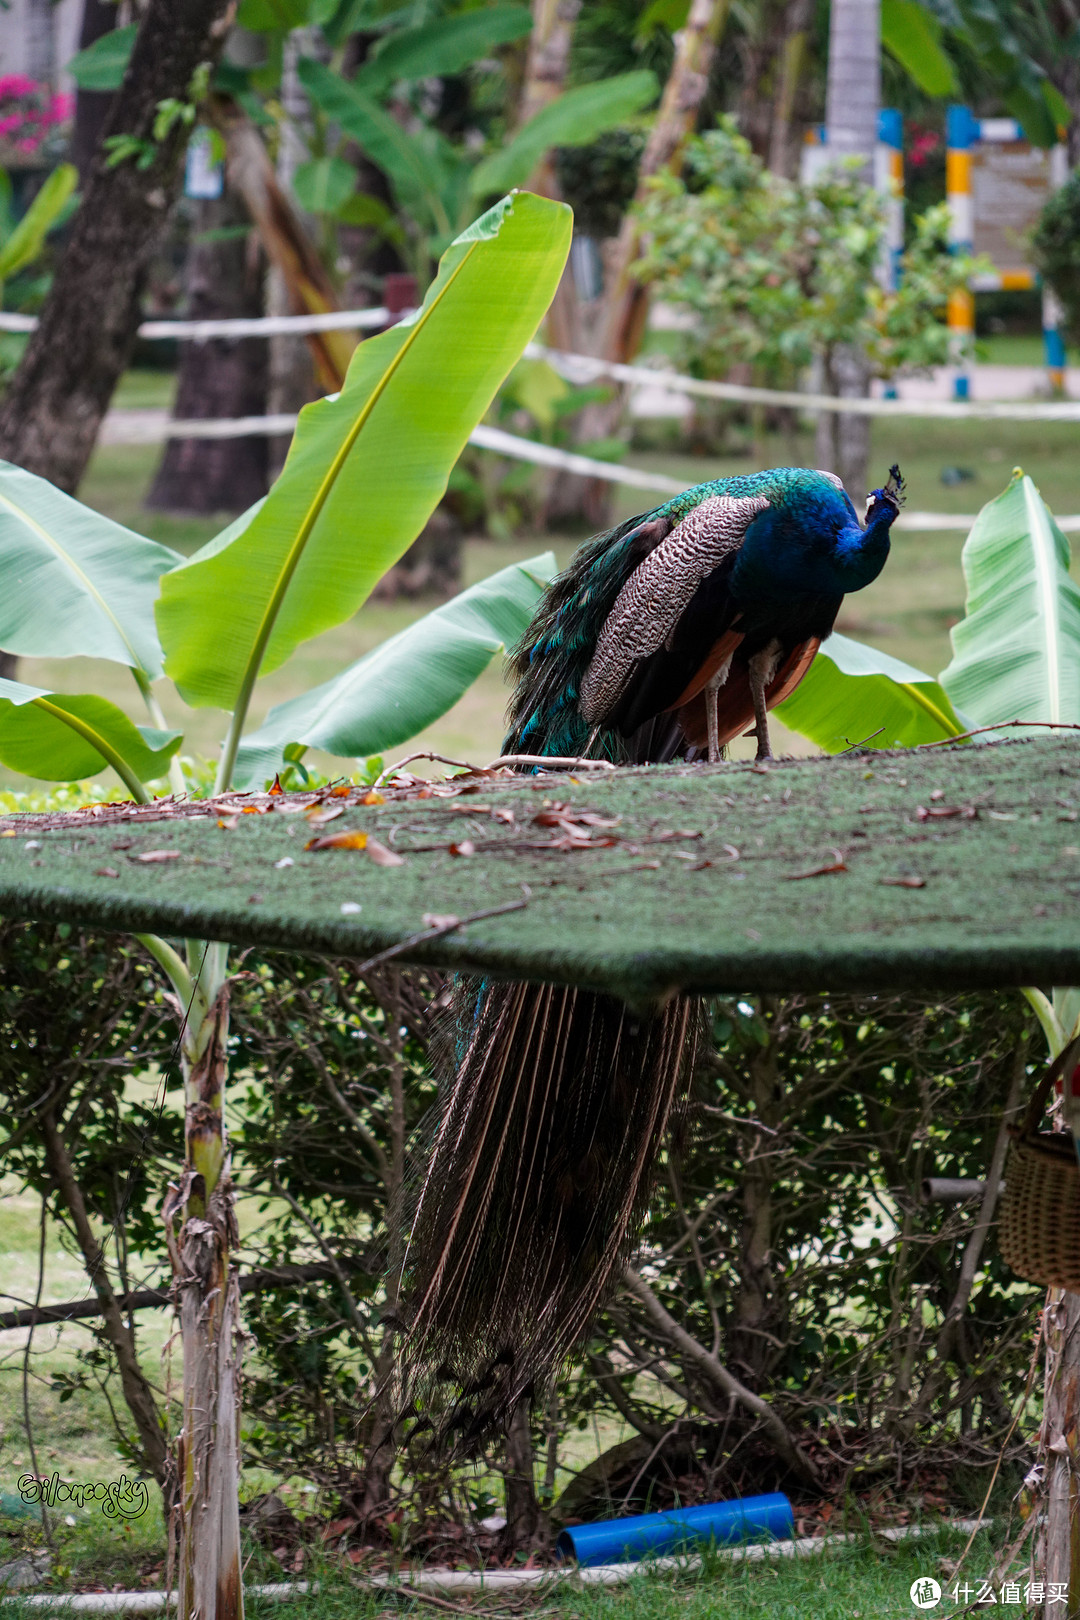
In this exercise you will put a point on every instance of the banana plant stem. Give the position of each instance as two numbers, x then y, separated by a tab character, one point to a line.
154	710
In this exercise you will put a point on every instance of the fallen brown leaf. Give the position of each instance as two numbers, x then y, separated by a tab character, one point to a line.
227	823
466	847
151	856
276	786
942	812
339	840
383	856
837	865
373	798
905	882
439	919
106	871
319	815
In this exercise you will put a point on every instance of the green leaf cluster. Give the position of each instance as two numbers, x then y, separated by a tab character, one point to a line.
779	272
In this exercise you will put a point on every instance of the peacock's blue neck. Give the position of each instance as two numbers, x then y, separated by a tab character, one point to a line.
815	547
860	554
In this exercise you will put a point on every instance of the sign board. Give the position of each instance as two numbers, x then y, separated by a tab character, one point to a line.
1010	182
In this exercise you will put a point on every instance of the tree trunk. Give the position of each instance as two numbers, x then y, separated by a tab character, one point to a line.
223	378
91	106
1059	1447
843	441
51	410
626	302
758	1314
381	1449
851	120
205	1527
137	1392
524	1515
783	150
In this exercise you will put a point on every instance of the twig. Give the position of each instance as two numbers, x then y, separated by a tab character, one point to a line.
562	761
1002	725
437	933
717	1374
1020	1405
45	1522
438	759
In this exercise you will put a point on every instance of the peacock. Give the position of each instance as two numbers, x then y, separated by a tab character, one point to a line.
665	638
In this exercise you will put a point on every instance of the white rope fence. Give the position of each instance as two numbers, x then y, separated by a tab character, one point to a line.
240	326
581	368
154	427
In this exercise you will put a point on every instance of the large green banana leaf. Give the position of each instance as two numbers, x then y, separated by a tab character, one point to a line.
58	738
368	466
399	688
1016	652
575	118
442	46
73	582
854	694
913	35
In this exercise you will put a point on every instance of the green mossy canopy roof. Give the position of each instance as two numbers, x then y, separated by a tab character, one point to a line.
956	867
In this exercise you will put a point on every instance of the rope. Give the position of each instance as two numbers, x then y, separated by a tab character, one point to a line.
140	427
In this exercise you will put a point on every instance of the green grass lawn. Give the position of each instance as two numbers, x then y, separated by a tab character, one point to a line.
866	1579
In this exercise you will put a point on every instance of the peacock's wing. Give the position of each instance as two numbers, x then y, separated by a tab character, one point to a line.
666	617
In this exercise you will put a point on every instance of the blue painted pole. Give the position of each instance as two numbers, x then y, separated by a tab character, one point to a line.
616	1541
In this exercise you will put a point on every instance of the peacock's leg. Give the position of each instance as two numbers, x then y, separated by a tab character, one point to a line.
762	668
711	717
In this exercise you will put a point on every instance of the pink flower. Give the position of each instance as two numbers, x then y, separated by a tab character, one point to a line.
17	84
61	108
8	124
31	144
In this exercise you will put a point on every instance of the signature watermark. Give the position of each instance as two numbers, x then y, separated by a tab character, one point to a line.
121	1498
926	1592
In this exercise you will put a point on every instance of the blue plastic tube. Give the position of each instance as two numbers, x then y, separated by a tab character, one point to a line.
616	1541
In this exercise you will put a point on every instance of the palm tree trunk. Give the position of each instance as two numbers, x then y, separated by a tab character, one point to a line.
851	118
52	408
626	303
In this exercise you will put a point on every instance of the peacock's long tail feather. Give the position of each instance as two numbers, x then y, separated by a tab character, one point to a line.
539	1175
556	1099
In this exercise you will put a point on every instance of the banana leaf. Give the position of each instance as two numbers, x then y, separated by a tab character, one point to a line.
855	695
442	46
1016	652
405	159
913	36
575	118
399	688
73	582
58	738
28	238
366	467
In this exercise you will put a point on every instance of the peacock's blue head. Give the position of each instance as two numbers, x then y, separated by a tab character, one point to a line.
882	505
861	552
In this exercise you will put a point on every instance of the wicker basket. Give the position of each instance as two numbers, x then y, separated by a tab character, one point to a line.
1039	1222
